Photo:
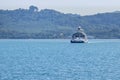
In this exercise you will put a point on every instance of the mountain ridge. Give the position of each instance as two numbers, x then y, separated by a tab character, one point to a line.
48	23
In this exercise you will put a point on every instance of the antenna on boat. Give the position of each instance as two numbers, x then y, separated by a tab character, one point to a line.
80	29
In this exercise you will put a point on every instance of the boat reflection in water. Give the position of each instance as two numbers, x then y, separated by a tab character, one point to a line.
79	36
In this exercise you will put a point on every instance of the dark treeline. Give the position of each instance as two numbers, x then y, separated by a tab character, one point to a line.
47	23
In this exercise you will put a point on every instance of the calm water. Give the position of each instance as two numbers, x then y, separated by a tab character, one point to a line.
59	60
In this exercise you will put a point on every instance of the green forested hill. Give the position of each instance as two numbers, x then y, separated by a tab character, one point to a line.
47	23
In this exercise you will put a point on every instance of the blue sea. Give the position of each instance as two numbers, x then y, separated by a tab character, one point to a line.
58	59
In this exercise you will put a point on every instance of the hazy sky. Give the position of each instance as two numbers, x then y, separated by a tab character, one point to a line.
83	7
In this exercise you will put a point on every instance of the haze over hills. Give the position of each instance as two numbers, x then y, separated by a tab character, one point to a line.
47	23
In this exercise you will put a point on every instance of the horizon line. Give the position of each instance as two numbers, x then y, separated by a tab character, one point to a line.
115	11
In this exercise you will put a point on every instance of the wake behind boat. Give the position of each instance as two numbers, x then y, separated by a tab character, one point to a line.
79	36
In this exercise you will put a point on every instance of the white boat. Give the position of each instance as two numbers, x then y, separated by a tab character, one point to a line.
79	36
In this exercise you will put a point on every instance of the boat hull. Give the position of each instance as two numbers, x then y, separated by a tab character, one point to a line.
74	41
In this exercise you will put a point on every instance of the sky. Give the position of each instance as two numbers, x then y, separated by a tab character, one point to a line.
82	7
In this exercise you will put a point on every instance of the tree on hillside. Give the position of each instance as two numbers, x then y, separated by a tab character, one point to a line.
33	9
